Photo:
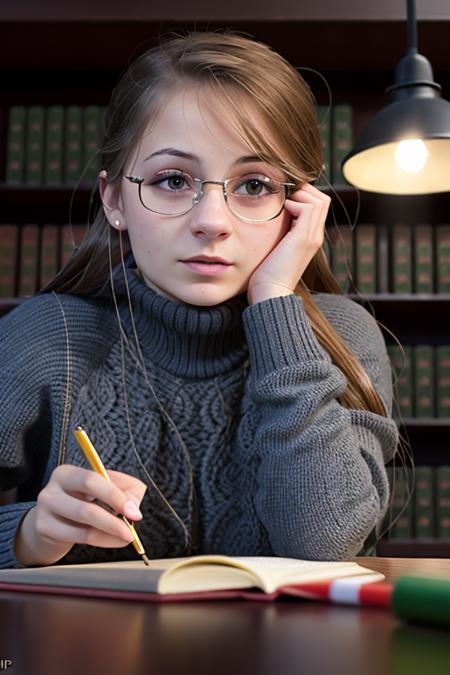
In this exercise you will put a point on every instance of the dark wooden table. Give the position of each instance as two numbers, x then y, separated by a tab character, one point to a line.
57	635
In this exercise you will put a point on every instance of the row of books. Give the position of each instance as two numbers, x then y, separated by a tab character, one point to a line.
421	380
336	134
398	258
372	259
420	505
54	145
57	145
31	255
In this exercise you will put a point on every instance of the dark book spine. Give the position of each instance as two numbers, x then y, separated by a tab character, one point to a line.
29	255
424	510
424	380
9	237
424	259
53	172
34	166
443	258
73	135
383	257
366	258
49	254
401	259
402	370
443	502
16	150
342	135
92	133
442	355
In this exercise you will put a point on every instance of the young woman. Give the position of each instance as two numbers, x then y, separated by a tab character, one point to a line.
240	402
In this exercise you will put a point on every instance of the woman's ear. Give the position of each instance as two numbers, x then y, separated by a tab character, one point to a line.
112	201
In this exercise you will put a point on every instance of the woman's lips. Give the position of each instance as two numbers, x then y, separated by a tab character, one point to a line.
206	269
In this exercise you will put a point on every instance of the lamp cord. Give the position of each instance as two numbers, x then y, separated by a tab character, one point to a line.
412	26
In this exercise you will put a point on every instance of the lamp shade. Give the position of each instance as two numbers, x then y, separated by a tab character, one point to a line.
405	149
372	165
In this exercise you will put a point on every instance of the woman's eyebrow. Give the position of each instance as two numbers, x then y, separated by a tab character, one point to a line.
248	158
187	155
174	152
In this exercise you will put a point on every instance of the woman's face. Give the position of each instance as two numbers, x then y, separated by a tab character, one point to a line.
201	143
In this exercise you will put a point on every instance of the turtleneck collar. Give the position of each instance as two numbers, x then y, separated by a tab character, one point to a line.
186	340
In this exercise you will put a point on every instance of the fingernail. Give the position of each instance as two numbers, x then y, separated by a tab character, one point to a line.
131	509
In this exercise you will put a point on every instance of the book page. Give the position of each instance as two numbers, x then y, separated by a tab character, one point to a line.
273	573
266	573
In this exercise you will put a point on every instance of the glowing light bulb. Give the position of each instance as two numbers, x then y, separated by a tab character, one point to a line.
411	155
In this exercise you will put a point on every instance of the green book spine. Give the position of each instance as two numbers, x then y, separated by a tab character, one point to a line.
324	121
9	237
54	146
443	258
73	138
423	257
424	510
34	163
342	140
341	244
443	502
49	254
402	505
15	150
442	355
366	258
401	259
424	380
92	133
403	378
383	259
29	255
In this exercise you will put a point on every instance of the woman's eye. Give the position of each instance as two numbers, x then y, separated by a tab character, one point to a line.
172	182
253	186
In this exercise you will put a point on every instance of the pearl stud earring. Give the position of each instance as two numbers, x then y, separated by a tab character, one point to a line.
117	223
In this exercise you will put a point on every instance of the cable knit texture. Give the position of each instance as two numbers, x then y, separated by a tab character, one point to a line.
242	398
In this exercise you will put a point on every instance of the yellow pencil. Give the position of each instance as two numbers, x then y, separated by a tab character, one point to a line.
96	463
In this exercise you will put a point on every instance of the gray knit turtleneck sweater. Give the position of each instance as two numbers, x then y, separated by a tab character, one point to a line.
233	414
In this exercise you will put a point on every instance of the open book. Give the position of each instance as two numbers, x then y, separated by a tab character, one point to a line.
197	577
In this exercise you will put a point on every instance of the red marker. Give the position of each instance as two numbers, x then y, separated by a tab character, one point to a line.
357	590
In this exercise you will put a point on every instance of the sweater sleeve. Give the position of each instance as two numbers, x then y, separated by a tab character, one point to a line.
31	343
34	385
322	485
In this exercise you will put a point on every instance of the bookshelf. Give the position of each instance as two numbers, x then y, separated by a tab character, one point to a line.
65	55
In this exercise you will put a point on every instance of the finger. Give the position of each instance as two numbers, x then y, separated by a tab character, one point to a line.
131	485
74	479
308	208
321	202
58	529
62	505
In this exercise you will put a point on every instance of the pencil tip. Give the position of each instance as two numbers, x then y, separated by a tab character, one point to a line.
145	559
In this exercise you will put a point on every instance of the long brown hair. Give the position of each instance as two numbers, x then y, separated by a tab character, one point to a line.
247	76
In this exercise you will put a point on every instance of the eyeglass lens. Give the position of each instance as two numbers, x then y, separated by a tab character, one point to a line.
251	197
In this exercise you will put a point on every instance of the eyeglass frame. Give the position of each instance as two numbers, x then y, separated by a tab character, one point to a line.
138	180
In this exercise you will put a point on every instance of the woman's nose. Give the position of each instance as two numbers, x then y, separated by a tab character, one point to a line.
211	214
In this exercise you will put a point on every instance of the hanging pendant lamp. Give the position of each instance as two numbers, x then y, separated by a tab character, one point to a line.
405	149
